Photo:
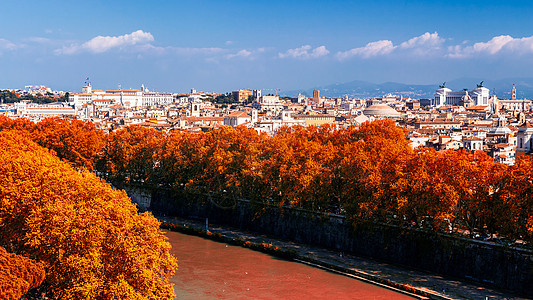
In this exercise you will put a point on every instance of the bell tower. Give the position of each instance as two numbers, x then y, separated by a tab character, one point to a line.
513	93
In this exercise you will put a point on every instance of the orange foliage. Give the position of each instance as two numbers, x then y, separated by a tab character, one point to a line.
90	237
513	200
219	162
370	172
75	141
294	163
373	168
131	154
18	274
16	124
426	190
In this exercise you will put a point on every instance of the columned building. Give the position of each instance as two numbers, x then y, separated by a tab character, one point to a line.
445	96
524	140
514	104
125	97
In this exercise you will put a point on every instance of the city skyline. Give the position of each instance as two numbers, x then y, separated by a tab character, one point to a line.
215	46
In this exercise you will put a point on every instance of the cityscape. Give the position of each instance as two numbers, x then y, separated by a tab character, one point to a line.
204	149
468	119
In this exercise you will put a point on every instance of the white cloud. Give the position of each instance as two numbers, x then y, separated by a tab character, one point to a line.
242	53
496	45
305	52
102	44
7	45
319	51
371	49
39	40
427	40
420	45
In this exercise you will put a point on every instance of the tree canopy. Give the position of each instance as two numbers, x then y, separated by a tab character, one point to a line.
18	274
369	173
89	237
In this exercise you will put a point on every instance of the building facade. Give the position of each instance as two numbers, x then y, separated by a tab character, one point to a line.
445	96
126	97
242	95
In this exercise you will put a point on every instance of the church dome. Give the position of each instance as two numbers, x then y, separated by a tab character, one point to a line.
381	110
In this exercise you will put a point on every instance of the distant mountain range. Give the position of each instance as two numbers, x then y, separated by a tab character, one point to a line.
364	89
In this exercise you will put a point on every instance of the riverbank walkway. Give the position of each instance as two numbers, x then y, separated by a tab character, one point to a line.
362	268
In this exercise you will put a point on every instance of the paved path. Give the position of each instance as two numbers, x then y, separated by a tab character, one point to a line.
435	286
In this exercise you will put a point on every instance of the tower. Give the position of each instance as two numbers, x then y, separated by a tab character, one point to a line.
256	94
513	93
316	96
87	89
254	116
195	108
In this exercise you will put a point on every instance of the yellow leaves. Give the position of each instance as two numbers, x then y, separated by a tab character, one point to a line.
370	171
18	274
131	154
89	236
75	141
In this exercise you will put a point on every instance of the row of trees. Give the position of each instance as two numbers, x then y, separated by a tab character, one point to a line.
368	173
86	237
77	142
7	96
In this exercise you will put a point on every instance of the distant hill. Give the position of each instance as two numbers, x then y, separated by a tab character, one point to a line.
364	89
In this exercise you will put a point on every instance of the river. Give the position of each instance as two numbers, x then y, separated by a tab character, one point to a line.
212	270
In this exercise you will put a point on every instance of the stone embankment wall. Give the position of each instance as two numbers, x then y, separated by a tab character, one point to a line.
478	261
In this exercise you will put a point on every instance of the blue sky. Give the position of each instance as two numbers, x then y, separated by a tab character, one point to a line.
226	45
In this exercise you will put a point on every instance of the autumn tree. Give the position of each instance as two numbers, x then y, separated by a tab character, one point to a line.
372	169
75	141
131	155
513	200
78	142
88	236
294	164
371	172
23	125
473	176
18	274
211	163
425	190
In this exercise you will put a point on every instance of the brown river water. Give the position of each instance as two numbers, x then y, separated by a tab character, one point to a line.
212	270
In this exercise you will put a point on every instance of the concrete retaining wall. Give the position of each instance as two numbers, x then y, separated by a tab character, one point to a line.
494	265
